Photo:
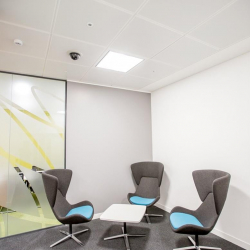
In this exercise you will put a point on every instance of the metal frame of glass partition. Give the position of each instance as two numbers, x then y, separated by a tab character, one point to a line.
65	130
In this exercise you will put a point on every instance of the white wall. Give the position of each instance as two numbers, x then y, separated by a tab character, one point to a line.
107	130
203	122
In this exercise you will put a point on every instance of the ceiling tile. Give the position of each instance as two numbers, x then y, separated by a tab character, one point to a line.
21	64
184	53
103	76
74	16
115	79
64	70
133	82
35	43
228	27
181	15
152	69
37	14
144	38
131	5
61	47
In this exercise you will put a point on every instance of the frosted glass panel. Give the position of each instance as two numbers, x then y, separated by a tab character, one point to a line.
36	182
19	195
3	222
33	132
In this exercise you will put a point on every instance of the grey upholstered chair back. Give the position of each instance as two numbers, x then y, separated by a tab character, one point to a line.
147	169
56	184
148	177
213	182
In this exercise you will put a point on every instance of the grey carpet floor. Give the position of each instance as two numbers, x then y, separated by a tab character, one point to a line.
159	236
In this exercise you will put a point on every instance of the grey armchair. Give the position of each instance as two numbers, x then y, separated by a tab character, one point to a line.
212	187
56	184
148	177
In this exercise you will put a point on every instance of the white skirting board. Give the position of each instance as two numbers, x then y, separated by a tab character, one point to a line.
215	231
97	216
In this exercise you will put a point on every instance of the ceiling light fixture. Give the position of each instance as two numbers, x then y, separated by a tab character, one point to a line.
118	62
18	42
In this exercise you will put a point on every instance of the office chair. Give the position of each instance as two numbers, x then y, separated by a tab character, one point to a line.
212	187
56	184
148	177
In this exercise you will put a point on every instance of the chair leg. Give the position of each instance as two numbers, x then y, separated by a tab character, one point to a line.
70	235
80	232
114	237
152	215
147	218
155	215
64	232
195	244
212	248
147	215
183	248
76	240
60	241
198	247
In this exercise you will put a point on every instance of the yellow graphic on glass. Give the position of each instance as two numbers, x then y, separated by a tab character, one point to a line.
32	139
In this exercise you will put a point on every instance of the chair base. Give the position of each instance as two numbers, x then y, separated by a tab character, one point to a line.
125	235
196	247
152	215
70	235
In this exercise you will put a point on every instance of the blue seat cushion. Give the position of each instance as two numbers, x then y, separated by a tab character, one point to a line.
141	201
180	219
85	211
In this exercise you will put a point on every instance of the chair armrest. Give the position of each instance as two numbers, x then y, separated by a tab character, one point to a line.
156	199
82	203
129	196
182	210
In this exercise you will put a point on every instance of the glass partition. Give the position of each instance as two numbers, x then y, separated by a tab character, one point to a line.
32	139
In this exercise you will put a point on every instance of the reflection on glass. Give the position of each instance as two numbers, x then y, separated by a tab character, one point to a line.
32	114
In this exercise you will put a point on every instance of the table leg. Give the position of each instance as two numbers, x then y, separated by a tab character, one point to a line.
126	241
125	235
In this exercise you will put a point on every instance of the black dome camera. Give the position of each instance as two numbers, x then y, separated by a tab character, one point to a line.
74	55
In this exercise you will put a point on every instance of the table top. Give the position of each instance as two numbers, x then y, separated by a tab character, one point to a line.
124	213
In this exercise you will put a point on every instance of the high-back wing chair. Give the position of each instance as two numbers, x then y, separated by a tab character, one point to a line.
212	187
148	177
56	184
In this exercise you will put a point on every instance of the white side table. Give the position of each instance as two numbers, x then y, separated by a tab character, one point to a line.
124	213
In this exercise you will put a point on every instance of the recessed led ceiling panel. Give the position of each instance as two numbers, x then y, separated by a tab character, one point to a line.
118	62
